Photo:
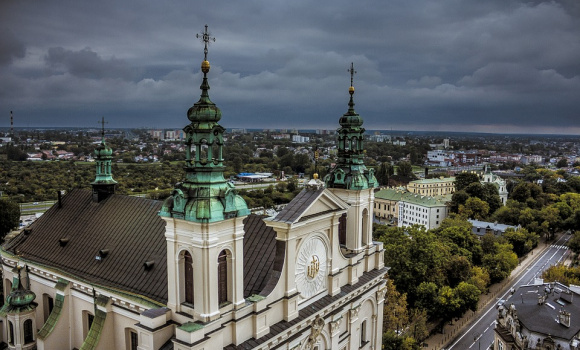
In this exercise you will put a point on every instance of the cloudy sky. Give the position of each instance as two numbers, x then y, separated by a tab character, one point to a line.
450	65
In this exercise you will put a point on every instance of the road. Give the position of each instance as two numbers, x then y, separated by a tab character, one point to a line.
480	334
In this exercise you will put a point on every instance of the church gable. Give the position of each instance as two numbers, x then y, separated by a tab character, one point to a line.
309	203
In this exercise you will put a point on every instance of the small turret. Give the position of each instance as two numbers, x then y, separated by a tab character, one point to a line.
104	185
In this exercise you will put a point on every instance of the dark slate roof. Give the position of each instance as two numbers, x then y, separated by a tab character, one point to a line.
260	256
298	205
128	227
131	230
542	318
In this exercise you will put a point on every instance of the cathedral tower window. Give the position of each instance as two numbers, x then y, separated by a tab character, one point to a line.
28	334
223	277
188	278
365	225
11	333
342	230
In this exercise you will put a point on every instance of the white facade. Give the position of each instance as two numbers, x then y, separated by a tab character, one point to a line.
422	210
314	273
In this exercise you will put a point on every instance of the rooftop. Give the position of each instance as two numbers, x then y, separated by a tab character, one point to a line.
543	317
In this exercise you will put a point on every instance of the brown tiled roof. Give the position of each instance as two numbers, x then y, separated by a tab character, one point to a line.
132	232
128	227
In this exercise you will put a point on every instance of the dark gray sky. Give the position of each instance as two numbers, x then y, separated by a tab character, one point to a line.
470	65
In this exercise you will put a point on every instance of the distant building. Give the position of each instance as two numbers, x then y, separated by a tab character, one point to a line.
440	157
433	187
300	139
480	228
428	211
387	203
542	316
407	208
489	177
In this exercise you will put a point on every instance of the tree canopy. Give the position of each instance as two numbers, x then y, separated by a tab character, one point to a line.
9	216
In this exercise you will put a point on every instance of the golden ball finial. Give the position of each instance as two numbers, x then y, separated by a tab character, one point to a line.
205	66
351	90
315	176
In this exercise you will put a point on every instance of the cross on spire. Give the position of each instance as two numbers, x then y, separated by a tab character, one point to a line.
352	72
205	38
103	122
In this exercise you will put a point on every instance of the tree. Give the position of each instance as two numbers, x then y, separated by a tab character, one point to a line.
465	179
9	216
384	173
395	309
479	278
405	169
574	242
474	208
562	163
522	240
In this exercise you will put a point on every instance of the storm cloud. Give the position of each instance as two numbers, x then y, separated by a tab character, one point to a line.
492	66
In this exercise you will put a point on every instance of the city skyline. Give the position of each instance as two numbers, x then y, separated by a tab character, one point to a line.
498	67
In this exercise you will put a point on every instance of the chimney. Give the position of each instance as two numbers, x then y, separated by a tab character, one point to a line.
564	318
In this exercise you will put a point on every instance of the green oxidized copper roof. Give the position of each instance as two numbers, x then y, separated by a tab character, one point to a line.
103	159
350	171
190	327
204	195
92	339
52	320
20	299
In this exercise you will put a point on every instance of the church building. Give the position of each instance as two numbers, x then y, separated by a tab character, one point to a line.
100	270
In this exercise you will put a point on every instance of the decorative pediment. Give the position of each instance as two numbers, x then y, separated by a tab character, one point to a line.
309	204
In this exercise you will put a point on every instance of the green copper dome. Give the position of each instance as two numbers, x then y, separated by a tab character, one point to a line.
19	299
103	150
204	195
204	111
350	171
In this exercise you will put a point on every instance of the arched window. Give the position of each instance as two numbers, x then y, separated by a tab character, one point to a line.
28	334
222	277
48	305
188	277
365	225
11	333
131	339
342	230
363	333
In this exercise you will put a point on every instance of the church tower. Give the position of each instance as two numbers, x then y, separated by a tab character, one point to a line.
352	181
20	312
104	185
204	218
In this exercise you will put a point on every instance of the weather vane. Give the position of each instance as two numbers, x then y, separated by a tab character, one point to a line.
352	72
205	38
103	122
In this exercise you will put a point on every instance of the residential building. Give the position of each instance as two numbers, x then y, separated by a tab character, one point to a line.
428	211
386	205
406	208
542	316
433	187
480	228
300	139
